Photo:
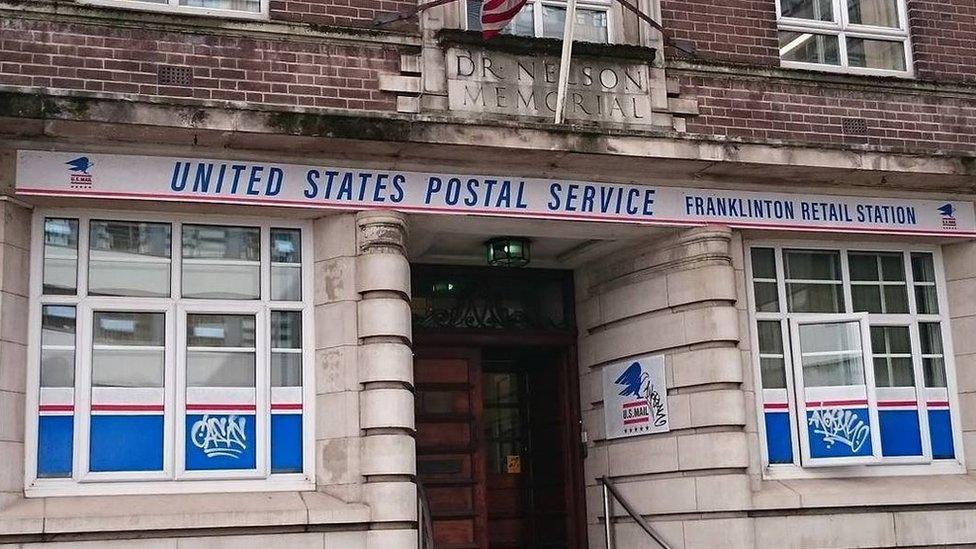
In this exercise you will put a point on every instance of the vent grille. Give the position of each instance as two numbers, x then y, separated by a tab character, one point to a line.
855	126
171	75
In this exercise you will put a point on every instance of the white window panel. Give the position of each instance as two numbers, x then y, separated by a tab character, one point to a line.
228	9
547	18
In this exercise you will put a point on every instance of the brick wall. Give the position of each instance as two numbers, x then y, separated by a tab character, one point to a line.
813	113
114	59
355	13
944	39
738	31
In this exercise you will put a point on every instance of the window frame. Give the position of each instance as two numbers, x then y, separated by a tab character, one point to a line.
888	466
841	27
537	11
173	479
172	6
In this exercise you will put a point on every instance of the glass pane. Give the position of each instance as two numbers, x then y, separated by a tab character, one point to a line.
286	329
500	388
286	282
902	374
831	354
129	258
767	297
286	246
878	13
123	328
926	300
863	267
591	25
57	329
220	331
214	242
773	373
866	299
219	369
763	263
770	337
881	377
805	47
221	281
890	340
934	370
818	10
127	368
815	298
923	267
931	336
286	369
811	265
895	299
875	54
522	25
252	6
60	256
892	267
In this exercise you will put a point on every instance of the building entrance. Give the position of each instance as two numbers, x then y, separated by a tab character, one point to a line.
497	421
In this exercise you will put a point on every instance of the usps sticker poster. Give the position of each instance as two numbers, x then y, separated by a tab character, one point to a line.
635	397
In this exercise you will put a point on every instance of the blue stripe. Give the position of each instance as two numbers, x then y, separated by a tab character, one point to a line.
54	446
900	433
286	443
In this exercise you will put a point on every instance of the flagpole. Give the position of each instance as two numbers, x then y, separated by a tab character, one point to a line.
564	61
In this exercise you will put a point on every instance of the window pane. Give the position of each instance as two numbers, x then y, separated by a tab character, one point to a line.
819	10
286	246
214	242
286	369
815	298
253	6
763	263
934	369
863	267
875	54
767	297
902	373
115	365
890	340
522	25
219	369
60	256
866	299
881	377
773	373
892	267
770	337
286	282
123	328
895	299
129	258
221	262
591	25
831	354
879	13
926	300
811	265
220	331
286	329
805	47
923	267
57	346
931	336
892	371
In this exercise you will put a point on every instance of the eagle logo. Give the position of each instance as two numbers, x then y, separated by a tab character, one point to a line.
80	165
947	210
632	380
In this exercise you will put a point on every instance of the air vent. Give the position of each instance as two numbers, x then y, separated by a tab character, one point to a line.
171	75
855	126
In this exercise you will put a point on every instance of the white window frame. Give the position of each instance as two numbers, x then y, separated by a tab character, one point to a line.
537	11
888	466
173	479
841	27
173	6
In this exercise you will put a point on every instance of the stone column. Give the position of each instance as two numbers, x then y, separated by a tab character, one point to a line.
385	366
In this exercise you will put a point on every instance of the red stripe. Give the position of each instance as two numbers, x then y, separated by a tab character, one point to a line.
636	420
635	403
607	218
776	406
938	403
502	17
891	403
127	407
490	5
816	404
221	407
56	408
286	406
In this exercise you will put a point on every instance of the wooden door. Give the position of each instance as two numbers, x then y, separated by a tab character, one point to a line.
449	464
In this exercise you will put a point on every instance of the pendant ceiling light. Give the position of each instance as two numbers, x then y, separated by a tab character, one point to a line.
507	251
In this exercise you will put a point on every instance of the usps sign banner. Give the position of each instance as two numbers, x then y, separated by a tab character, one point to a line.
97	175
635	397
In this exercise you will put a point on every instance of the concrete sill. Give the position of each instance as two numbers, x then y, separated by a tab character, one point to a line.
79	515
865	492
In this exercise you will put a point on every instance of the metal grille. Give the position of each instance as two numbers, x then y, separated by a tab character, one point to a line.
171	75
855	126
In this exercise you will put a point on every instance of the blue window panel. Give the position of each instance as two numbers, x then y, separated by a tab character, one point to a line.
286	443
54	446
220	441
839	432
900	433
940	428
779	445
126	443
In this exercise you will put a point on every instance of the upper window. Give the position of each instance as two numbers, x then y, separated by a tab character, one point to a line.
860	36
171	351
547	19
850	352
238	9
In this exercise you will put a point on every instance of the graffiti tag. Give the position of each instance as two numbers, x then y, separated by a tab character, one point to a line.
840	426
654	402
221	436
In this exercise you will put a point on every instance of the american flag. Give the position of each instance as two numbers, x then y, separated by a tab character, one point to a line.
495	14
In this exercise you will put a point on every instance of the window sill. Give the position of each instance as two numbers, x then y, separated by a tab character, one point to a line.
174	512
865	491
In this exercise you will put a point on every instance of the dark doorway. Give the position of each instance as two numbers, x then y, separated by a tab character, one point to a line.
497	411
